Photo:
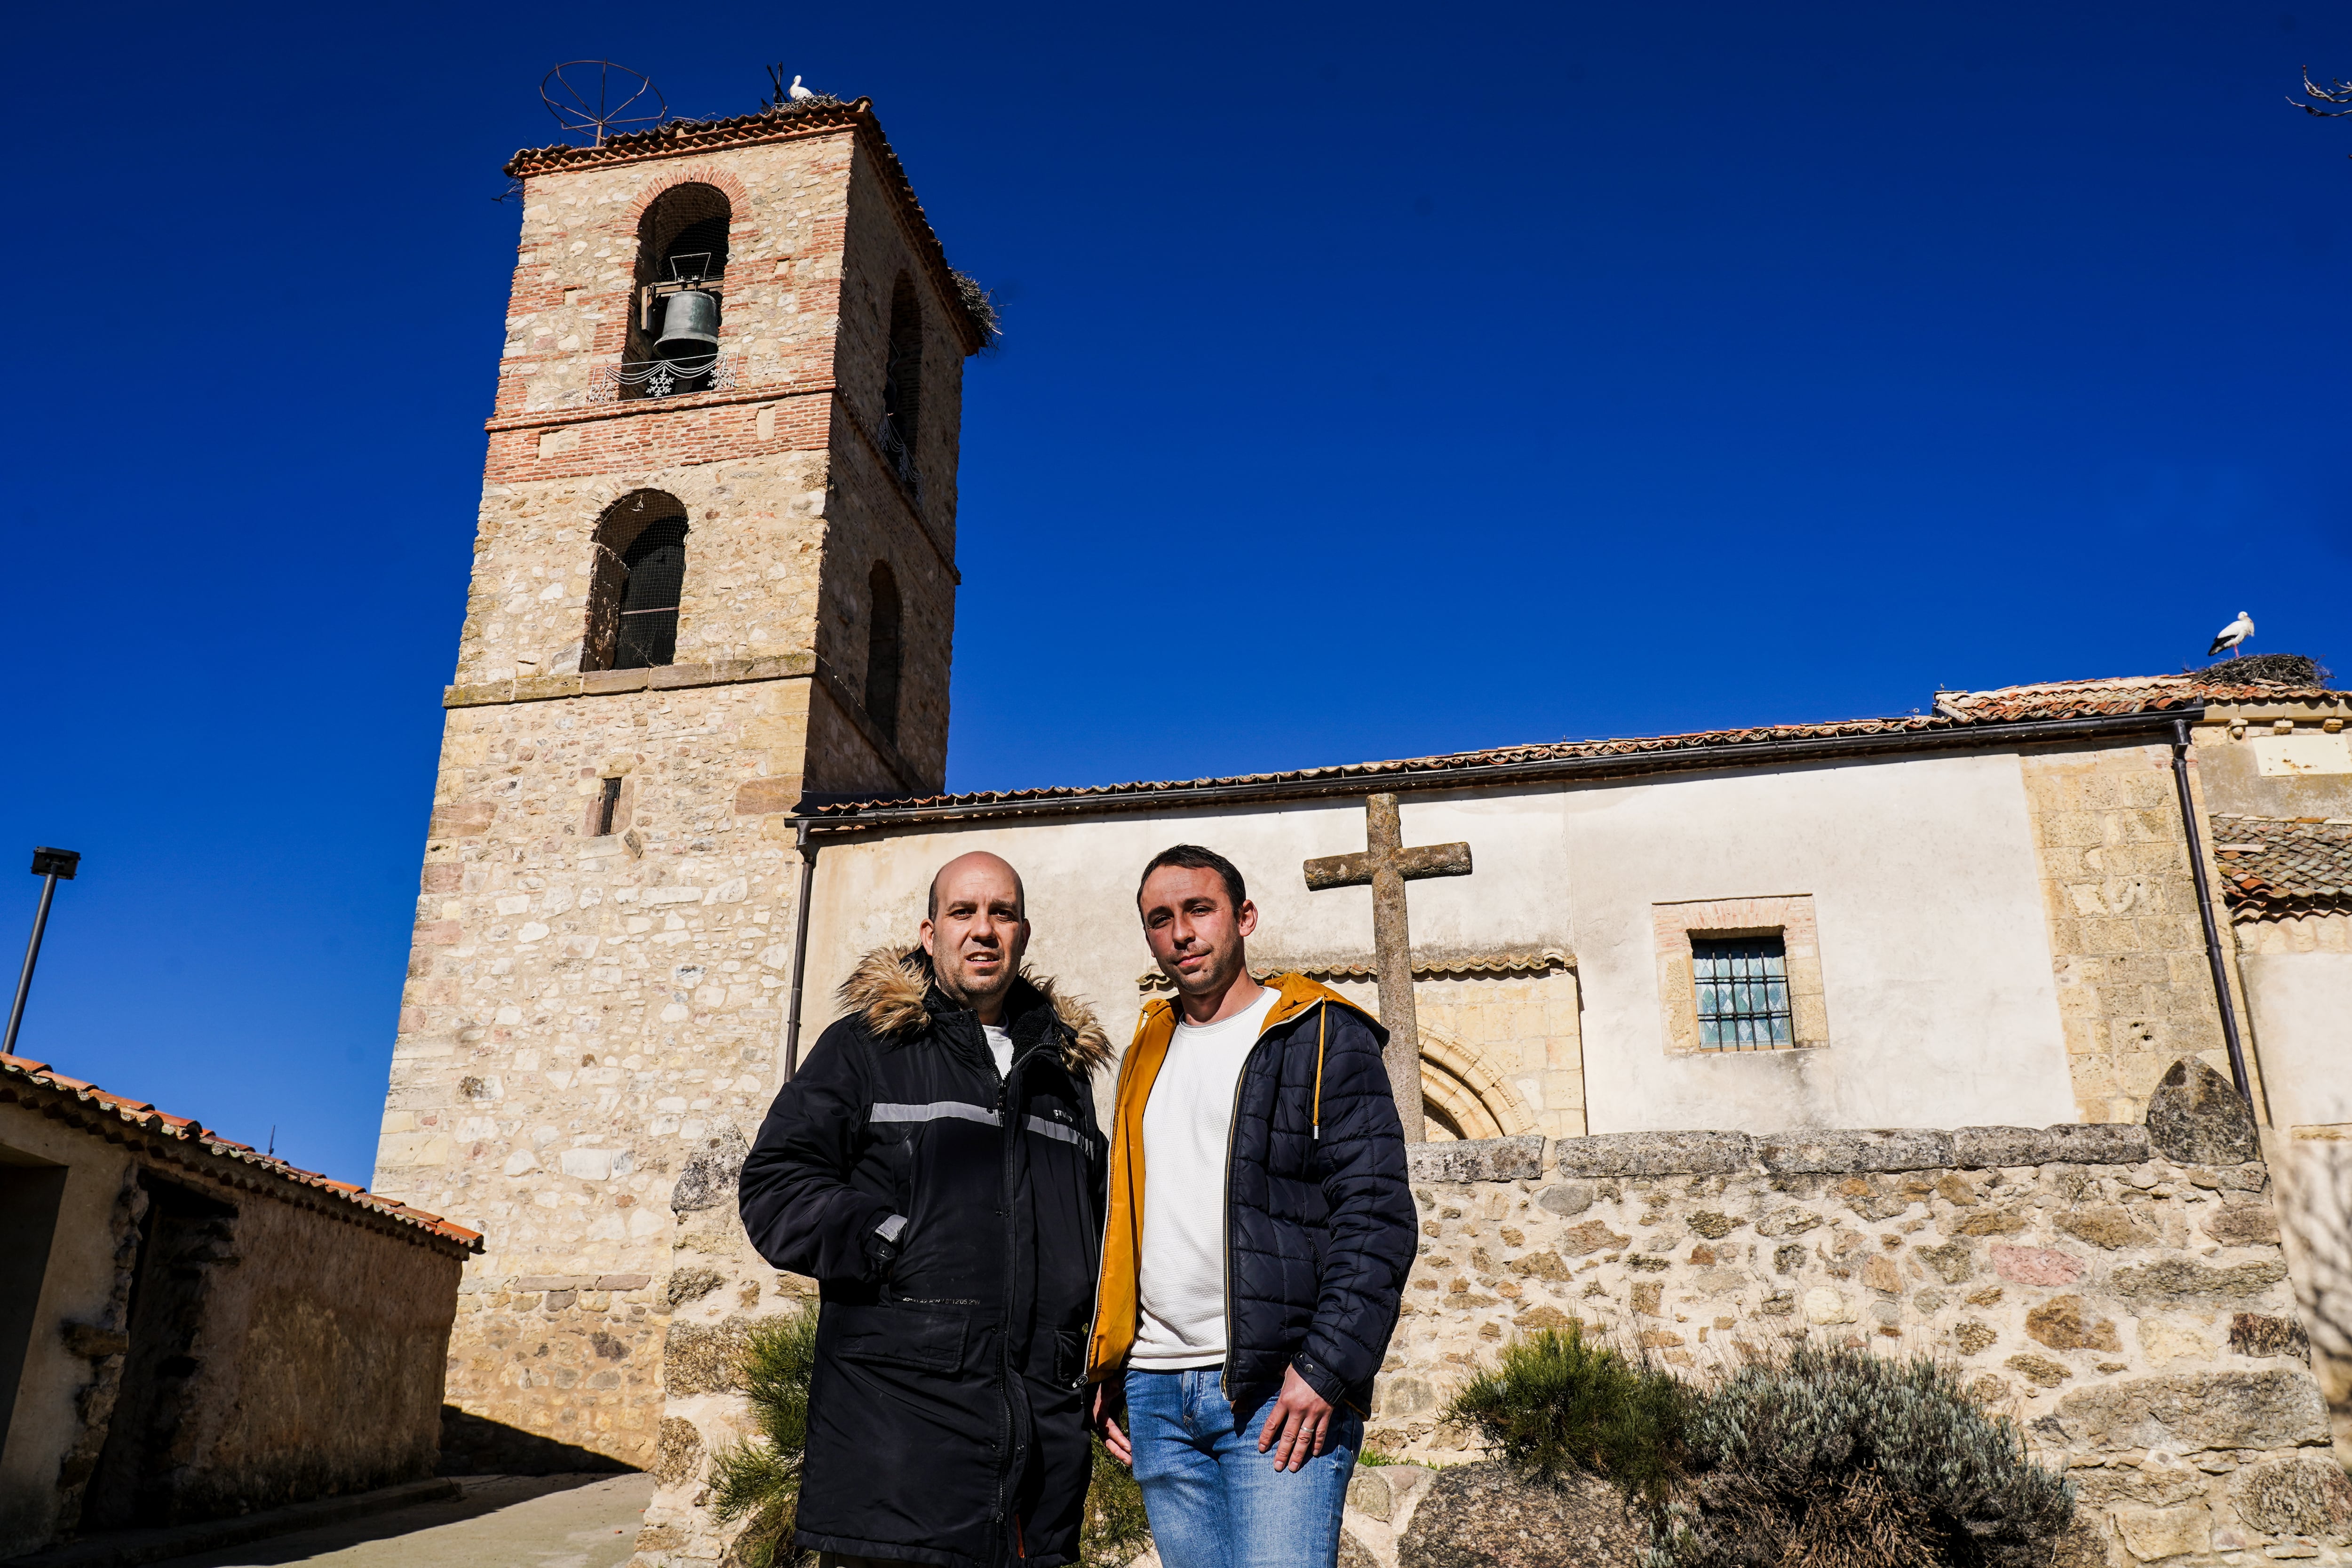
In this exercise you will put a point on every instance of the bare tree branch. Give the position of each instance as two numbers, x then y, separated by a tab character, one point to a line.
2334	92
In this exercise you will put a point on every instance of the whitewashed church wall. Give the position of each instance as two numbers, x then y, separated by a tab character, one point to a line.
2301	1004
1934	947
1081	879
1922	875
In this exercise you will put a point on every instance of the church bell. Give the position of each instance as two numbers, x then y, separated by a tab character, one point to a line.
690	326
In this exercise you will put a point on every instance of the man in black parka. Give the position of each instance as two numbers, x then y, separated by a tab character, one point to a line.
936	1166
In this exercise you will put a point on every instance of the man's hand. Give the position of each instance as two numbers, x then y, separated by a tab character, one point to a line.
1109	1405
1295	1429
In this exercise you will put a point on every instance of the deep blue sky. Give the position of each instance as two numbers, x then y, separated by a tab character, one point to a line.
1378	381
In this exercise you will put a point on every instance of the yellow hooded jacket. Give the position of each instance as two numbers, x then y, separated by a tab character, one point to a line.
1117	1309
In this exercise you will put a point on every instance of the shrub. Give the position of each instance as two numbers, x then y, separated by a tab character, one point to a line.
1558	1402
1115	1530
760	1481
1838	1459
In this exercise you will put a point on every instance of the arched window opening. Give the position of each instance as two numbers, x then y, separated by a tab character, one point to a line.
885	653
636	584
902	381
681	265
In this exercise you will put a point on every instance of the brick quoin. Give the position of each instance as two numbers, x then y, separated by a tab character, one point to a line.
585	1012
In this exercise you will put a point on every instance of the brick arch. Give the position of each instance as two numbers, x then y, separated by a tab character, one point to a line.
739	196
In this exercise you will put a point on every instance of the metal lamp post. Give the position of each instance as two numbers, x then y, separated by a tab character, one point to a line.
52	865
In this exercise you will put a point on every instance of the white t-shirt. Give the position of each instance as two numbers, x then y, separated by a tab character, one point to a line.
1187	1131
999	1046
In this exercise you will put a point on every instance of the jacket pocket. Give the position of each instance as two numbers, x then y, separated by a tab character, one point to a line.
894	1334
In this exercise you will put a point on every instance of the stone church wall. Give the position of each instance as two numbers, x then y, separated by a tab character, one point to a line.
2135	990
2133	1313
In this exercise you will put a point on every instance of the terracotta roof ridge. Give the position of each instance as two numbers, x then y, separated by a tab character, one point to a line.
187	1129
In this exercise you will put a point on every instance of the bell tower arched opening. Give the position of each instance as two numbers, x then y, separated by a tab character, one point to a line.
636	584
902	381
681	270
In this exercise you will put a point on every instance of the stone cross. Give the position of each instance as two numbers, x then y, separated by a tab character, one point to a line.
1388	866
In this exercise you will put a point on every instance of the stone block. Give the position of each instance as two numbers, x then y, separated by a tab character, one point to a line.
2296	1497
2036	1264
2243	1224
1866	1149
1477	1160
2078	1143
704	1358
2196	1117
461	819
2258	1334
757	798
1567	1199
2062	1324
2105	1225
2182	1411
2150	1533
1484	1516
711	1172
1701	1154
2177	1282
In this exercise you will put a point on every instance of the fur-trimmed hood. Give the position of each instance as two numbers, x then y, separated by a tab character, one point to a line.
889	986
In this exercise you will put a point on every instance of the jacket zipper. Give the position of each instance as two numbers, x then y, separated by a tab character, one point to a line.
1233	1128
1009	1130
1102	1235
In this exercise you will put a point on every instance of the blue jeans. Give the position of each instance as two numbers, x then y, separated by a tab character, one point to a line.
1215	1500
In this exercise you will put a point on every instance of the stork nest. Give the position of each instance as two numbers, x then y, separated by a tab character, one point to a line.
981	305
2281	669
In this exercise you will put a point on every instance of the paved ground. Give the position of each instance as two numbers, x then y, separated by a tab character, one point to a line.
503	1521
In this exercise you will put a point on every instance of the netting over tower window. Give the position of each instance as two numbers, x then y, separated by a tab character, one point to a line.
636	584
1742	984
656	562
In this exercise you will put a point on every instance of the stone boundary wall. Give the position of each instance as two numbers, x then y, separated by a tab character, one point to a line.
2132	1311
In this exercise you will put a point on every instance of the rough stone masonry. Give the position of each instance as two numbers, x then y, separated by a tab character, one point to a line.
2129	1307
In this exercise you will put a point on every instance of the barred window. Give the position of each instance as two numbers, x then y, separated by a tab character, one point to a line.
1742	986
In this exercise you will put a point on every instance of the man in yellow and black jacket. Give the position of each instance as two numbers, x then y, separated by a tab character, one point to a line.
1258	1232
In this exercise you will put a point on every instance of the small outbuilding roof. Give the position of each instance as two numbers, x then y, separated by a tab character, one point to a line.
115	1116
2284	865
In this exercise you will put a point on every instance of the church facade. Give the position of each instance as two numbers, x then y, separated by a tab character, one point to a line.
694	763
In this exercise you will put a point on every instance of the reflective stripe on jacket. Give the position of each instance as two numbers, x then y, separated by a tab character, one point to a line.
949	1215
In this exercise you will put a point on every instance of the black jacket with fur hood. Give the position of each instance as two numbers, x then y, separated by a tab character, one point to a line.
951	1217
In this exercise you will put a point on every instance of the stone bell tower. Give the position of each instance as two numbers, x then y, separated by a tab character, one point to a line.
715	572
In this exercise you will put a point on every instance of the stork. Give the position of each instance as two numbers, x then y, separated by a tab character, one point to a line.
797	92
2230	636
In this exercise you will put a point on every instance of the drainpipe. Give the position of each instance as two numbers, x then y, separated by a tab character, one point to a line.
800	950
2204	909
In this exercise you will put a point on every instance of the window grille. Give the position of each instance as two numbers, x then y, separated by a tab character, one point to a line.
655	561
1743	993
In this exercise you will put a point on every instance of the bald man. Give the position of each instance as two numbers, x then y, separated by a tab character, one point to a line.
936	1166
